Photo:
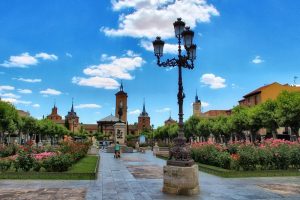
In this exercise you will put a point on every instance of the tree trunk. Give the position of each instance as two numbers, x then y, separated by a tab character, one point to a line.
274	134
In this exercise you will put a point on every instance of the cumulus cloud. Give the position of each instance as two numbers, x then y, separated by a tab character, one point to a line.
134	112
97	82
24	91
10	95
36	105
213	81
152	18
6	87
163	110
46	56
105	74
50	91
257	60
117	68
90	105
28	80
25	59
16	101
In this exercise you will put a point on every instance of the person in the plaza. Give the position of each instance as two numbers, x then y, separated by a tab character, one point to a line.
117	150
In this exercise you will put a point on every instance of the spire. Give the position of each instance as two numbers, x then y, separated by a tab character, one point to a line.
54	103
196	97
72	108
144	107
121	87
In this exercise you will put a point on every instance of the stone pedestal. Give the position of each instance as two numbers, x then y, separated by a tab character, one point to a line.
120	132
181	180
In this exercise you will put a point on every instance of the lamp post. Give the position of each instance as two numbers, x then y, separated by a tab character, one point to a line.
179	154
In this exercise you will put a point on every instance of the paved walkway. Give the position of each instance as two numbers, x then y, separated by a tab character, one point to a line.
139	176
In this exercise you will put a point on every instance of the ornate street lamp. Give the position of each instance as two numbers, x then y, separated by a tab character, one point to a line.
180	153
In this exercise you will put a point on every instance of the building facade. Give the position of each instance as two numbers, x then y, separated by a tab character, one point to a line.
262	94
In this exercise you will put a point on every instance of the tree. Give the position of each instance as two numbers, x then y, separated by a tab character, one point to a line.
8	119
288	110
255	122
222	127
190	126
240	120
267	115
204	128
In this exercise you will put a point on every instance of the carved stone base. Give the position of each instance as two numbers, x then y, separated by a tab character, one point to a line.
181	180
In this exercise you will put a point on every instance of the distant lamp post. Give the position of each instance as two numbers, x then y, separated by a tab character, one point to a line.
179	154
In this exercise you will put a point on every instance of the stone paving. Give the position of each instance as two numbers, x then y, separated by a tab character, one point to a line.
138	176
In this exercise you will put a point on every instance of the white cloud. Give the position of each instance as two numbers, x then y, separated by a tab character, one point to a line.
91	105
28	80
24	91
204	104
69	55
214	82
6	87
257	60
50	91
168	48
46	56
116	68
10	95
156	17
36	105
134	112
97	82
23	60
16	101
163	110
104	75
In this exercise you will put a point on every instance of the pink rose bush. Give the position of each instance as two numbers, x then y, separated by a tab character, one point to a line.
44	155
270	154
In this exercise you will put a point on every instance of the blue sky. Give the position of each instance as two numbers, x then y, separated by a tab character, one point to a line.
55	50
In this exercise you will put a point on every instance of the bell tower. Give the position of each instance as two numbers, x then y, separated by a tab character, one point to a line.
121	103
197	106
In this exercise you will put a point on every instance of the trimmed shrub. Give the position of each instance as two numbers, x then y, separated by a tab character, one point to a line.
281	156
248	158
23	161
224	160
58	163
295	156
5	164
265	156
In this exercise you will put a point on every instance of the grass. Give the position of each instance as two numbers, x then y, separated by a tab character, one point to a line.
240	174
85	169
226	173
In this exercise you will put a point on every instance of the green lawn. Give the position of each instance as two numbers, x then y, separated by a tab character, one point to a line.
85	165
85	169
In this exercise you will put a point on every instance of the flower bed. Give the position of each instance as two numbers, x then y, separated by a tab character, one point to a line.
29	158
269	155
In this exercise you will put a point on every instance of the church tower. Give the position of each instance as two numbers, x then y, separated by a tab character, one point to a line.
144	120
197	106
72	119
121	102
54	116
